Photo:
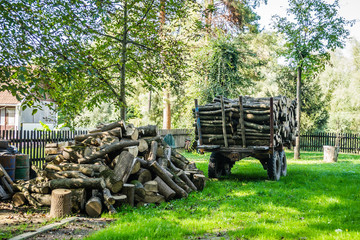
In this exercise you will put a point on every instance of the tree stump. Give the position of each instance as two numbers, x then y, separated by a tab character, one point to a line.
331	154
60	203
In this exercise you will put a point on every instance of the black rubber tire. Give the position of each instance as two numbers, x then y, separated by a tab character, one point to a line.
227	168
283	163
216	166
274	166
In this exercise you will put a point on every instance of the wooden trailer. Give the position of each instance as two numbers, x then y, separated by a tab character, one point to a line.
257	128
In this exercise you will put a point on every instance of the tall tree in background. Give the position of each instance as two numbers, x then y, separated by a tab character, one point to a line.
311	29
93	47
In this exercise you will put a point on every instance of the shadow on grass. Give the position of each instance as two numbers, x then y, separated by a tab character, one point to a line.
314	201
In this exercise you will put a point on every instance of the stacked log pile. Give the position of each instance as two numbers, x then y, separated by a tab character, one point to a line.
112	165
247	121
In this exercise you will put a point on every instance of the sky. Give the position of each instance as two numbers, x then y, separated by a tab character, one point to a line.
349	9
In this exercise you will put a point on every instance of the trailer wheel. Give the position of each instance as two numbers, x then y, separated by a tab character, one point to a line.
283	163
227	168
274	166
216	167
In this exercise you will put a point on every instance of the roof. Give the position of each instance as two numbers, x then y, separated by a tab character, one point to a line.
7	98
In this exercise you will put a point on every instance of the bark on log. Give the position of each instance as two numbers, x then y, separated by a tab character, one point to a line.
188	181
60	203
34	188
178	163
78	199
110	207
143	175
148	131
116	132
108	197
164	189
111	181
18	199
50	151
43	199
179	156
131	132
153	150
93	207
107	127
129	191
90	183
28	197
139	188
134	150
151	186
88	171
123	164
111	148
199	181
161	173
143	145
136	167
157	198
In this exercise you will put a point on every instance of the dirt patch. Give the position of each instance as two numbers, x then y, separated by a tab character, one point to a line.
18	220
77	229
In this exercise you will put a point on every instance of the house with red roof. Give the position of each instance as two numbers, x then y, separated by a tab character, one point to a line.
13	117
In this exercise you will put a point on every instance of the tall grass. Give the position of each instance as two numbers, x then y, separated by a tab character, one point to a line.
315	201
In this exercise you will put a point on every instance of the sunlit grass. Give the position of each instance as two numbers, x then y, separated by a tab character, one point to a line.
315	201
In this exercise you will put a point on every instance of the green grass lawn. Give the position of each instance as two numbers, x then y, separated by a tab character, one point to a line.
315	200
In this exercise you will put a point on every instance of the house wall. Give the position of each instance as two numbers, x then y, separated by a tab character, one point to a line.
8	117
43	114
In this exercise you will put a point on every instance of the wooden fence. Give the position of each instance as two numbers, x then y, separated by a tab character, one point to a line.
33	142
349	143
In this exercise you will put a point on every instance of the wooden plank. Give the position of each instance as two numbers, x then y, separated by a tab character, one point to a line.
7	185
223	121
197	115
242	124
6	175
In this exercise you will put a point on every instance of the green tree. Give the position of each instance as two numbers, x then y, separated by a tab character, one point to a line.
83	53
311	29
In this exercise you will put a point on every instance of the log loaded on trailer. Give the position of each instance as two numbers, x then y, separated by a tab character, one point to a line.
233	129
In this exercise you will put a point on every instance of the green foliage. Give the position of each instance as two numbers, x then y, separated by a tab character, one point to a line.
230	67
341	82
311	29
315	101
80	53
314	201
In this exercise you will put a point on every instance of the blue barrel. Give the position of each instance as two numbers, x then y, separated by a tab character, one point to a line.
8	162
22	167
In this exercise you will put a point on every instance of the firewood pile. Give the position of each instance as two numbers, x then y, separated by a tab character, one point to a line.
247	123
112	165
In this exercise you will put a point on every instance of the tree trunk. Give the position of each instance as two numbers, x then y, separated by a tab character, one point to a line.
123	64
129	191
111	180
298	112
93	207
162	174
123	166
90	183
60	203
164	189
111	148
